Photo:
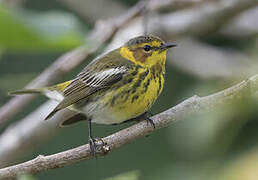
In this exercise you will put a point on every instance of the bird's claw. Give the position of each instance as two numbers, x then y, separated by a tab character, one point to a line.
149	120
97	145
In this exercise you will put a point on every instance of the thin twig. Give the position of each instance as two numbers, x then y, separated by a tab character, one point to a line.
125	136
206	18
145	17
201	20
92	11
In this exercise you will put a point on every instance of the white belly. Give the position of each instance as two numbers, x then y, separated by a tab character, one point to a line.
101	115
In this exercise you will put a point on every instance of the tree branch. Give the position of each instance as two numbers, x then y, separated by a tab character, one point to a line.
208	17
92	11
125	136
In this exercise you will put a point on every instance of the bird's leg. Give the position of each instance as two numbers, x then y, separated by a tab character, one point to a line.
146	116
94	142
91	140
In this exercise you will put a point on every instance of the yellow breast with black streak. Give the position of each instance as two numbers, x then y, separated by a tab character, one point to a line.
138	92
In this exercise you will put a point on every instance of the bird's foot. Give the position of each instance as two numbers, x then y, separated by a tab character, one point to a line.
98	146
148	119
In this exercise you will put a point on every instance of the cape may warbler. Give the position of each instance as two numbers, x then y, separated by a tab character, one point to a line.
118	86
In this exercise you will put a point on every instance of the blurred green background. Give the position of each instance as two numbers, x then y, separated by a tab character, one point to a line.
217	145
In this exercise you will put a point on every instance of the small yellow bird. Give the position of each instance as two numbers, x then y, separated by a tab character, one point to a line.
115	87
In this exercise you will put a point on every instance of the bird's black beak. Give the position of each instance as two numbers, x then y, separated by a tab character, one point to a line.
167	45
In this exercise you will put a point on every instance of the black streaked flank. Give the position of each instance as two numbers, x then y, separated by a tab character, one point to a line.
128	80
134	98
134	73
142	76
126	94
146	85
136	70
113	100
159	89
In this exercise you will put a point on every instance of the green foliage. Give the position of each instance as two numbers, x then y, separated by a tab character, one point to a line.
132	175
26	177
23	30
1	53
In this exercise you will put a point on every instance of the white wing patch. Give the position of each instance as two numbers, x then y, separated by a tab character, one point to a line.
96	79
55	95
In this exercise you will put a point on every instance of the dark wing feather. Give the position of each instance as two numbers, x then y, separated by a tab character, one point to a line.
94	77
81	90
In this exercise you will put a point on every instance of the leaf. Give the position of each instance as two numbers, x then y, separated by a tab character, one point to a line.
23	30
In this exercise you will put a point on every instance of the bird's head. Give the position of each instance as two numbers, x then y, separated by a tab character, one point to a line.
146	50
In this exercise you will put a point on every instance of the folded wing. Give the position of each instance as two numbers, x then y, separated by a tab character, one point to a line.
89	82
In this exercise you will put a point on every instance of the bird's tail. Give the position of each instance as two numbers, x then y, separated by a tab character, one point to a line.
27	91
52	92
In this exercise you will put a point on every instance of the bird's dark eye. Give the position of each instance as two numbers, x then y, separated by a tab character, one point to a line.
146	48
